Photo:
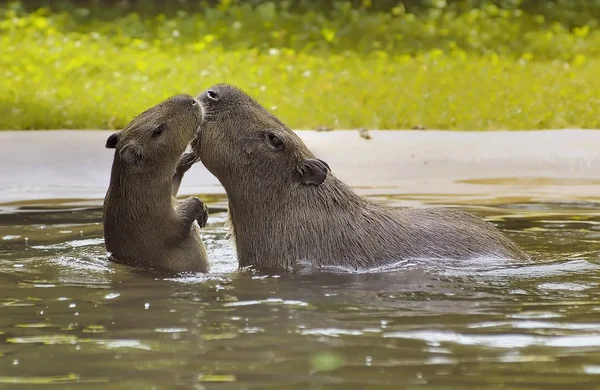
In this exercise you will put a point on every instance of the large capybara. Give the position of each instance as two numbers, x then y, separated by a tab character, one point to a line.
144	225
287	208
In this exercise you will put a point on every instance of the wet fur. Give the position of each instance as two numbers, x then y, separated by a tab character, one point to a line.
279	217
144	225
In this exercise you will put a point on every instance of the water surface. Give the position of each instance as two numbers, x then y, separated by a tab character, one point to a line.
72	319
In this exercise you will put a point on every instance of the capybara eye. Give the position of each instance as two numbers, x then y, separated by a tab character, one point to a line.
158	130
275	141
212	95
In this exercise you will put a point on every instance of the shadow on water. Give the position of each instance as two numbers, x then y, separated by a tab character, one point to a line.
71	318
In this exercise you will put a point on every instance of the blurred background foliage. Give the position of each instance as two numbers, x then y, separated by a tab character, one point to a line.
457	64
543	29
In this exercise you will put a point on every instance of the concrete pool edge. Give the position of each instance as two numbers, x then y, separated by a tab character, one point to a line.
547	164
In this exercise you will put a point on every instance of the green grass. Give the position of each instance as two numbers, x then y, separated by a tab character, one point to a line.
63	72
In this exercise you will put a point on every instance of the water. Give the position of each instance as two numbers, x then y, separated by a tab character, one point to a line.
72	319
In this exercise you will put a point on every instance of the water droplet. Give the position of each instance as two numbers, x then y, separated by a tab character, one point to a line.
15	362
146	305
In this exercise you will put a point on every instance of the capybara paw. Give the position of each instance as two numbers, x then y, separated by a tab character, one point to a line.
202	215
187	160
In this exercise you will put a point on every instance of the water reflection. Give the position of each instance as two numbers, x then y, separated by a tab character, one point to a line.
69	316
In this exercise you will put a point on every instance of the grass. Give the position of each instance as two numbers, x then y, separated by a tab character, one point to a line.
63	72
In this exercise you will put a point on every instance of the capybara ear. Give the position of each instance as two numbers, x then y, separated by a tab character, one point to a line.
112	140
313	171
130	154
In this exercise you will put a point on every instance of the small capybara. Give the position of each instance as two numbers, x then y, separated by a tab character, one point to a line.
144	225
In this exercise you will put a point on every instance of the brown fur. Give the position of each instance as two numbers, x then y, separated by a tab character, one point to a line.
287	207
144	225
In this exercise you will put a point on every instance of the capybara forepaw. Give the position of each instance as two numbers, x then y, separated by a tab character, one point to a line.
202	216
187	160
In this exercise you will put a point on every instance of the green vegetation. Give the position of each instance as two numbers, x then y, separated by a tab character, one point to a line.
440	65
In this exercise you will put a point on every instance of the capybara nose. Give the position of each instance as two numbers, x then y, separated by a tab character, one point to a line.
209	95
184	99
325	164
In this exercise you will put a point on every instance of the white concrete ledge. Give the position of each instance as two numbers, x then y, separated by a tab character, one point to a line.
553	164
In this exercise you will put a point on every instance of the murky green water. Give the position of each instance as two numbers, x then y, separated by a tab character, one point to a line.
70	318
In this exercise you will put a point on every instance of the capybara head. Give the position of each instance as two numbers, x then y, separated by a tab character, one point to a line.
159	135
239	140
